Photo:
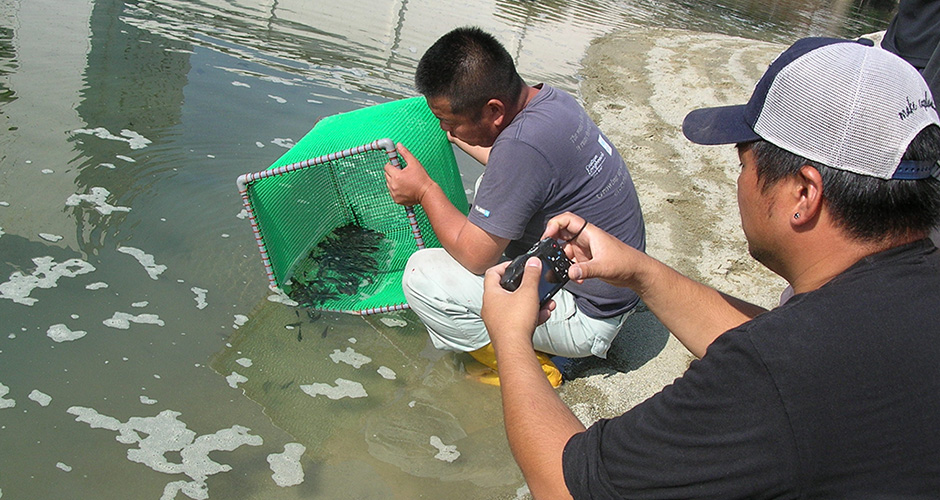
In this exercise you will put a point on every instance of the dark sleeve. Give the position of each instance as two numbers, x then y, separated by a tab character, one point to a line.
719	431
515	186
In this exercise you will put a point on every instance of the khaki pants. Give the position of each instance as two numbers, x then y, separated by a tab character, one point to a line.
447	297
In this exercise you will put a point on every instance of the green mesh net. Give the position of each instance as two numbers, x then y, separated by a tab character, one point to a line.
329	233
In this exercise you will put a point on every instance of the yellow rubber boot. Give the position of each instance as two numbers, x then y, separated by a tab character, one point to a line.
487	356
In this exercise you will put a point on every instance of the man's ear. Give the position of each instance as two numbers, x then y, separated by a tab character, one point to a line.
808	194
494	111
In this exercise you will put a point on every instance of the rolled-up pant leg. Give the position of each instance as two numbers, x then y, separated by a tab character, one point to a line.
448	298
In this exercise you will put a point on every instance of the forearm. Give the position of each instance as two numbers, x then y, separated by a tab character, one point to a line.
472	247
478	153
538	423
695	313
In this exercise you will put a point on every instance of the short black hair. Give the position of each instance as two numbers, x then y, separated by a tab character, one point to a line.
867	208
468	67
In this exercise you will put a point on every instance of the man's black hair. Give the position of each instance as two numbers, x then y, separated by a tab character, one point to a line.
866	207
468	67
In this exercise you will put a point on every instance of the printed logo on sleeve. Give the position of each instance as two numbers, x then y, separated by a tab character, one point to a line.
603	143
482	211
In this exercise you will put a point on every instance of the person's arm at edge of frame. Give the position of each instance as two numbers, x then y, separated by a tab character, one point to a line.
695	313
474	248
478	153
538	423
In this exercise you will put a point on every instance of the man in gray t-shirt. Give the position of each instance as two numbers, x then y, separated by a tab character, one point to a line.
543	156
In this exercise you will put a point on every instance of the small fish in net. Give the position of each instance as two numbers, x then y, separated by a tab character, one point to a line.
340	265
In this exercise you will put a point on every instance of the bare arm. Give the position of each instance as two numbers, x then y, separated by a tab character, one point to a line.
695	313
473	247
478	153
538	423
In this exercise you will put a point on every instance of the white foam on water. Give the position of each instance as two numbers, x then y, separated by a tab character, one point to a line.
276	79
47	171
350	357
284	143
46	275
40	397
164	434
234	379
243	214
135	140
352	340
5	403
64	467
97	197
108	165
153	269
122	320
343	389
4	203
387	373
61	333
1	231
240	319
244	362
393	322
282	298
240	84
50	237
147	401
200	297
98	285
445	453
140	304
279	100
259	144
286	467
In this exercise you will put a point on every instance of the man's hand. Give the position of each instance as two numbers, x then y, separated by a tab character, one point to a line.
513	316
407	185
594	253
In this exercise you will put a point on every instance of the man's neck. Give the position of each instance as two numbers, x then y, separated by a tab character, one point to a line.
820	263
525	97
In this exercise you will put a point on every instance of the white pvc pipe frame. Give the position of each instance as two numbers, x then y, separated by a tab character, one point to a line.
245	180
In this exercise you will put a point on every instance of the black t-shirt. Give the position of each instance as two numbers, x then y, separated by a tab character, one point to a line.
914	32
835	394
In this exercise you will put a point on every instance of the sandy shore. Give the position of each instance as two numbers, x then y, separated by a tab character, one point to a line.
638	86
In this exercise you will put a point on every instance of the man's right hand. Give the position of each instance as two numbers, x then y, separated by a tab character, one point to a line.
595	253
408	185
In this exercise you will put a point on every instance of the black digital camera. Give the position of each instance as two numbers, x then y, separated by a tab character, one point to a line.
555	266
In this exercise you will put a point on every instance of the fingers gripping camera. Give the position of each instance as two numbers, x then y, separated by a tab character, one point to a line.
554	275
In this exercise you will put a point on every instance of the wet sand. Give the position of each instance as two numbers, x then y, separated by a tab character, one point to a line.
638	86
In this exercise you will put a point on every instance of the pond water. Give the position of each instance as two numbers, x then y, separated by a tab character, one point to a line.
140	354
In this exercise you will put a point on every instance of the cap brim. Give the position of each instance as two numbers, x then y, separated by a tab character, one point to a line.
722	125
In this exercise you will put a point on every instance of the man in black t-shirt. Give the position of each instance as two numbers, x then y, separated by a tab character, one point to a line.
914	34
834	394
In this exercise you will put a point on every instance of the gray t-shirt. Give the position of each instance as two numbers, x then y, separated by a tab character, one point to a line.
553	159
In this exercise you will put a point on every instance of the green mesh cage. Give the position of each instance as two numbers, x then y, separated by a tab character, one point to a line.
322	214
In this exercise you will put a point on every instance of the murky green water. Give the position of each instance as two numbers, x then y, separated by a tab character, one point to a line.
140	356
